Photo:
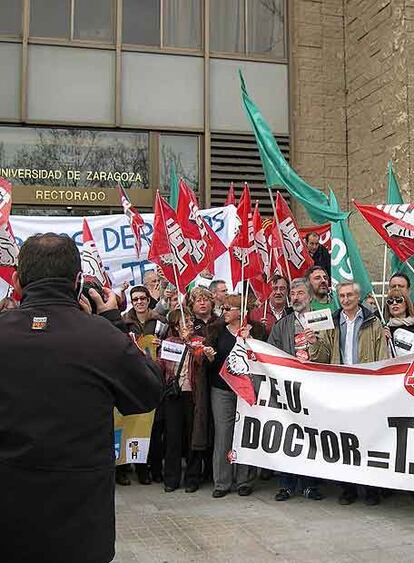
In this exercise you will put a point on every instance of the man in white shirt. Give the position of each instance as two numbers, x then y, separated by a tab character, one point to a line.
358	337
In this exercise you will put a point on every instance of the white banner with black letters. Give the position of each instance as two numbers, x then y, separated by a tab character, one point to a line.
344	423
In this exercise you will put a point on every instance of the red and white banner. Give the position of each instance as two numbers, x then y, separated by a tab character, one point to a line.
136	222
203	243
8	248
92	265
243	251
394	223
296	252
346	423
168	246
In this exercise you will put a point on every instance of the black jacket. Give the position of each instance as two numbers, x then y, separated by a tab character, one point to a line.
62	374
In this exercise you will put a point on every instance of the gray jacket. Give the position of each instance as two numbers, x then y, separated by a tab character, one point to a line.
283	334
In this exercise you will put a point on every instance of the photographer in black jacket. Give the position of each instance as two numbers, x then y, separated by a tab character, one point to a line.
63	372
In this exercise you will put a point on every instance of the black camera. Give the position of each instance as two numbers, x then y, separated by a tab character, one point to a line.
92	283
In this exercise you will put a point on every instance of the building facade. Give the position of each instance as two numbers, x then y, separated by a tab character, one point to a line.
96	93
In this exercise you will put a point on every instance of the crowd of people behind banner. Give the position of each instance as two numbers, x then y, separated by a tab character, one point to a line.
196	417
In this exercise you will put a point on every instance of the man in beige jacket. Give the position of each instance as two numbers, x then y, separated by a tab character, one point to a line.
358	337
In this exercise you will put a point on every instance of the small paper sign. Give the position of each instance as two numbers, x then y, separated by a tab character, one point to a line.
403	341
172	351
319	320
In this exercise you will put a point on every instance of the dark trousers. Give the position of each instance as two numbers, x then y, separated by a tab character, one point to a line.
350	489
179	416
295	482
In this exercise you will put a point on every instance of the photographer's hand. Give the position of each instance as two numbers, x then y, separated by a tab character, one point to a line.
108	303
85	305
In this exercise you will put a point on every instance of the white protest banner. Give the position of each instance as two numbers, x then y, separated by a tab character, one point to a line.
115	241
346	423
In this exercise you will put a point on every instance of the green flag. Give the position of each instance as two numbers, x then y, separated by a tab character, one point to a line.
279	173
394	196
173	199
346	261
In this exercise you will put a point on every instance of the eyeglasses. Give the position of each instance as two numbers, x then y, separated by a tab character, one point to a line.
397	300
227	308
136	299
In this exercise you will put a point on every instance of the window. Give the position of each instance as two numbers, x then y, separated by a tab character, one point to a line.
11	17
74	158
227	26
252	27
141	22
180	28
181	151
50	18
182	23
265	33
92	19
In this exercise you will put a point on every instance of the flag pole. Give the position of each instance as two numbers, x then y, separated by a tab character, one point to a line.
384	273
409	266
242	285
174	263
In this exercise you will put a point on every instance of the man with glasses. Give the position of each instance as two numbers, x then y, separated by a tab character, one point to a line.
290	336
358	337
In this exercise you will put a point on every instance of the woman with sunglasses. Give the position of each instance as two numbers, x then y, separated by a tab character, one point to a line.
399	314
220	339
143	321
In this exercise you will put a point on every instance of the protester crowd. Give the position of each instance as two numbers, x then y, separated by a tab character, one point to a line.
196	417
194	421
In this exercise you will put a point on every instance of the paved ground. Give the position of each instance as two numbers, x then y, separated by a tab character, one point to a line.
154	526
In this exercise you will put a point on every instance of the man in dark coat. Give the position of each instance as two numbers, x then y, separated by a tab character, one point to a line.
63	372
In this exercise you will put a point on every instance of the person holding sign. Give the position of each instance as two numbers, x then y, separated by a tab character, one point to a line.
149	327
358	337
290	335
399	313
185	404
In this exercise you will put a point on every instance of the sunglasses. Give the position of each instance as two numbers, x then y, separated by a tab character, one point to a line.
136	299
392	300
227	308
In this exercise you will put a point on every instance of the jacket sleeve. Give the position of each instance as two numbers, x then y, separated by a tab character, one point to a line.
138	383
321	351
381	346
275	337
114	317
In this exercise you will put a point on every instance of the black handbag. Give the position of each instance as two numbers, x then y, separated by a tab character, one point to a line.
172	389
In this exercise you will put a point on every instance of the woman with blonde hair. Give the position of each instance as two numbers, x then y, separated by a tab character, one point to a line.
399	314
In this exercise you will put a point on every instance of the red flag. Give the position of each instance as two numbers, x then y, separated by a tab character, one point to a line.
5	200
324	232
243	252
261	283
231	198
394	223
295	250
91	261
168	247
135	220
9	250
236	372
203	243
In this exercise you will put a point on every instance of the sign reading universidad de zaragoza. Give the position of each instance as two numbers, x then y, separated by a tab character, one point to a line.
343	423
